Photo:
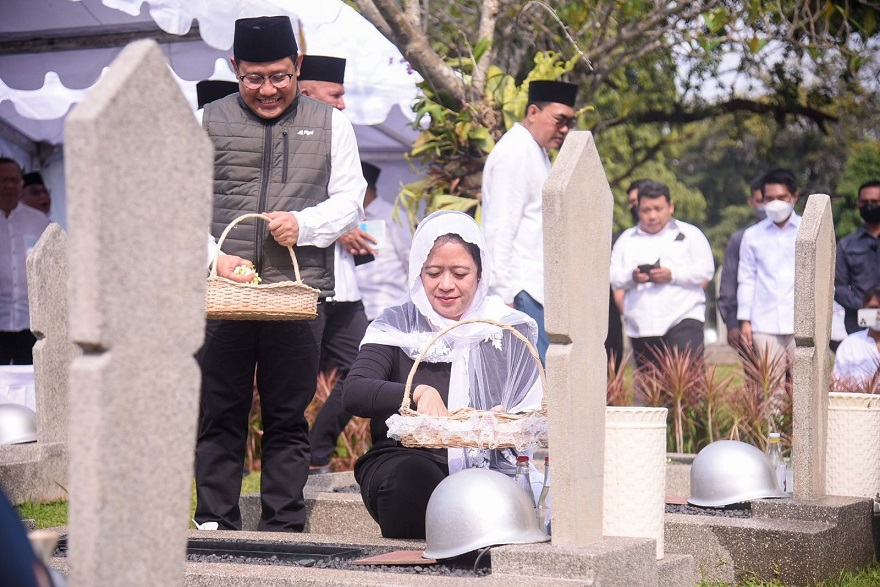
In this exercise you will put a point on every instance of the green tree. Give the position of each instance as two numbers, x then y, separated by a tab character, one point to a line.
646	66
863	165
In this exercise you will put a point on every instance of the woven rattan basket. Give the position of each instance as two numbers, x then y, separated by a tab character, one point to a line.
497	429
229	300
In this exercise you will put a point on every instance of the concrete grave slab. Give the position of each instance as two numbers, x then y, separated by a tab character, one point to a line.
797	542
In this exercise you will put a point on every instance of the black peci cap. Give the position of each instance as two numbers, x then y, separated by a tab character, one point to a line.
264	38
547	91
321	68
33	178
371	173
213	89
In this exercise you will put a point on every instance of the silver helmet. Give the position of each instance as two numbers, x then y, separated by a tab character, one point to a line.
730	471
476	508
18	424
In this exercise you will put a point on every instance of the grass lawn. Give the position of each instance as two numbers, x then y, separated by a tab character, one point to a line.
869	577
49	515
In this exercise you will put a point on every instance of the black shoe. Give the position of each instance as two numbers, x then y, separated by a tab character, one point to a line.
320	470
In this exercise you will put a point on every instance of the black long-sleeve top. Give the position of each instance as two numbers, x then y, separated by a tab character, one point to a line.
375	385
374	389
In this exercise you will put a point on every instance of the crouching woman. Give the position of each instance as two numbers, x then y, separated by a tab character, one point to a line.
477	365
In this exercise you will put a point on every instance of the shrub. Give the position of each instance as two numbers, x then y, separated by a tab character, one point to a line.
706	405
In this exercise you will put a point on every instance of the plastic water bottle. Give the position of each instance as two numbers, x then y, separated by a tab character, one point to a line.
522	477
789	474
543	508
774	455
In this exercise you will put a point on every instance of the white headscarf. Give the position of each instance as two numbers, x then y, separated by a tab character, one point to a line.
482	376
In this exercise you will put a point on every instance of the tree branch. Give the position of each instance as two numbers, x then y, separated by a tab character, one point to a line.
488	18
680	115
368	10
417	50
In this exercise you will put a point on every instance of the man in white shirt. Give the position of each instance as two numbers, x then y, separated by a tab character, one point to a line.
765	294
322	78
857	360
662	266
513	180
383	281
296	160
20	228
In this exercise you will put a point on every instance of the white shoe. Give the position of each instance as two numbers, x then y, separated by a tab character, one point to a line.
206	525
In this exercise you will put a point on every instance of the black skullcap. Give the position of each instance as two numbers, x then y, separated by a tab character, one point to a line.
558	92
321	68
213	89
371	173
264	38
33	178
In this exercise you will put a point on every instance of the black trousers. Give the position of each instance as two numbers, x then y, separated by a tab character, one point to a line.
614	340
398	491
686	334
16	348
344	328
285	356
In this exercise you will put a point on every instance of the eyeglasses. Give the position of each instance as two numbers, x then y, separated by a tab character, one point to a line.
563	122
255	82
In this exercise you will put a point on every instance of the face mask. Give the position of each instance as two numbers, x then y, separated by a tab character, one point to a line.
868	318
634	212
870	213
778	211
760	212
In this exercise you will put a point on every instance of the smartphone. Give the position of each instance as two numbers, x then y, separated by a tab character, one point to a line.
646	267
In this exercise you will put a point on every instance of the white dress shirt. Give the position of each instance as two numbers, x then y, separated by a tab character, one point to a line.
651	309
383	280
346	288
765	295
322	224
513	180
19	232
857	357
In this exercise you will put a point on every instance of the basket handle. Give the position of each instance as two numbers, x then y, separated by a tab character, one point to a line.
231	226
404	405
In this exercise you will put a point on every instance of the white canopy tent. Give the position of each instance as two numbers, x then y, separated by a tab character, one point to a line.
53	51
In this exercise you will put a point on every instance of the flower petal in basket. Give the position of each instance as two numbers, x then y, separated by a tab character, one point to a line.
230	300
467	427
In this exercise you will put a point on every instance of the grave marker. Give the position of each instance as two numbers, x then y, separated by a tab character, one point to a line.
813	294
139	174
577	257
47	269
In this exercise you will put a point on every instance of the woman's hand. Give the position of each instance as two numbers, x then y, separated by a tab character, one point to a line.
428	401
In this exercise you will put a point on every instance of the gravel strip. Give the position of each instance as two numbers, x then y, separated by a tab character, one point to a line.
452	567
462	566
739	510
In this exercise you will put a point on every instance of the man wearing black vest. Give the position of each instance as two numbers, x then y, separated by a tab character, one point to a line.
322	77
296	160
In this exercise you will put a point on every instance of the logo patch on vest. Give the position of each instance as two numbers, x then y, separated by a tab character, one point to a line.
305	132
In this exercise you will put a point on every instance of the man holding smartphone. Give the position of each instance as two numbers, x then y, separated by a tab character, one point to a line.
662	266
